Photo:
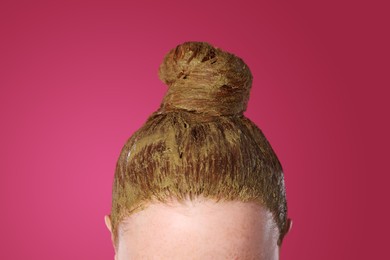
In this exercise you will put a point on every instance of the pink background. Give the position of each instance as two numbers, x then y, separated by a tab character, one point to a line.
77	78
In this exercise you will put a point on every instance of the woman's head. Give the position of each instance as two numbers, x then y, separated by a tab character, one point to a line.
198	146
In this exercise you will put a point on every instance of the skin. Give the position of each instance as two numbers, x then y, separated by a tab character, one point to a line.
199	229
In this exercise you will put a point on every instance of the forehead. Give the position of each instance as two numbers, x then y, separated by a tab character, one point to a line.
199	229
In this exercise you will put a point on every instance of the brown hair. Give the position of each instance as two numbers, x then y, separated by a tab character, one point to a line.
199	142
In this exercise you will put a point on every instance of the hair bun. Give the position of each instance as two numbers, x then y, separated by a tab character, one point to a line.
205	79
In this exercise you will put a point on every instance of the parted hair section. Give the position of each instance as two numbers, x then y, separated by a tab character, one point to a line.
199	142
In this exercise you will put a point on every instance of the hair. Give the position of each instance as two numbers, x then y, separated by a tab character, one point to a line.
199	142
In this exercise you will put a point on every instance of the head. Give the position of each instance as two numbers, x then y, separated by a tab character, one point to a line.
198	178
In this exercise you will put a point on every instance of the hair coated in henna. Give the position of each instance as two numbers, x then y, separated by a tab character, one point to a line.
199	142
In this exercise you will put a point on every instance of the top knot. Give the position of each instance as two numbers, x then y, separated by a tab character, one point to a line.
205	79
